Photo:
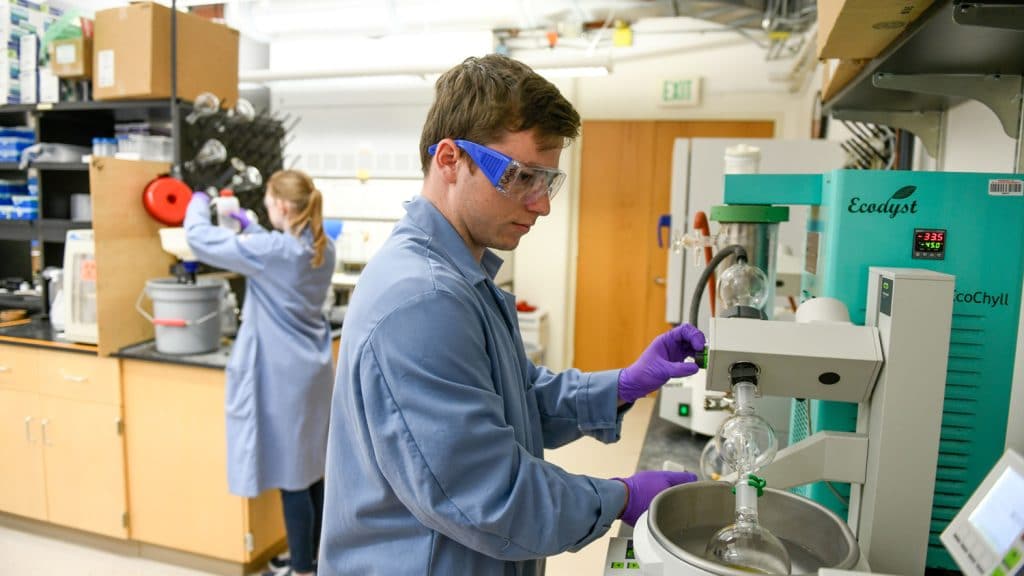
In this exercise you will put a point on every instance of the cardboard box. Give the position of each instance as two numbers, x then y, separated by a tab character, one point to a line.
862	29
71	58
837	74
132	55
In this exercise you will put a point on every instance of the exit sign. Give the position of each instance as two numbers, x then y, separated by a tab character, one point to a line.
684	92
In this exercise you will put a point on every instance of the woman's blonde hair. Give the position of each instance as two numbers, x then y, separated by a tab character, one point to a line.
297	187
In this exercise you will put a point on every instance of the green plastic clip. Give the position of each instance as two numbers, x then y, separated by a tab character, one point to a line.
756	482
701	358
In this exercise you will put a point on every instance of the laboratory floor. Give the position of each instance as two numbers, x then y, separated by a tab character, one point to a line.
28	554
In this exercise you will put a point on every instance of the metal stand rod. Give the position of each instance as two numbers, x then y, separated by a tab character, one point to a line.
1018	157
175	109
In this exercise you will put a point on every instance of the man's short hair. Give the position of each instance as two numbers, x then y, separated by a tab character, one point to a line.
483	99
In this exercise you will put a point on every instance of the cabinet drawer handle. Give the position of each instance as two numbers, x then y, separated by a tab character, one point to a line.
43	425
28	430
75	379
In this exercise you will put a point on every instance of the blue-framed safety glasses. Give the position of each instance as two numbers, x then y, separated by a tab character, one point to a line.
522	182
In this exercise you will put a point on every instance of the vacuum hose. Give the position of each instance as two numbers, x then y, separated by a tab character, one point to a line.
698	292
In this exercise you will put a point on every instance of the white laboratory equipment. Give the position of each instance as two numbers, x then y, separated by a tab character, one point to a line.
698	169
987	535
80	287
886	367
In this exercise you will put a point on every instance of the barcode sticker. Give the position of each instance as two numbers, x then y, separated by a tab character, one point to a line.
66	54
1006	187
105	68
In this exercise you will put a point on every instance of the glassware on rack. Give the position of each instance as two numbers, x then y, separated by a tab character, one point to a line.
206	104
249	178
211	153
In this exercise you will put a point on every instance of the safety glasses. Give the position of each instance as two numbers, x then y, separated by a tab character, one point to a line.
516	180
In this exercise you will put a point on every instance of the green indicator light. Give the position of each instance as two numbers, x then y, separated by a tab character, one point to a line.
684	410
1012	557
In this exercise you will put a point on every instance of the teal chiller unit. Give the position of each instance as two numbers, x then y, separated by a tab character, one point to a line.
970	225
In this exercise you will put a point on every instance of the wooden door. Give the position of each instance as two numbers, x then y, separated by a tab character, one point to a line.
177	460
22	478
626	171
85	474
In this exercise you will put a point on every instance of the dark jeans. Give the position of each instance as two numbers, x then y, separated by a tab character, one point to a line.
303	516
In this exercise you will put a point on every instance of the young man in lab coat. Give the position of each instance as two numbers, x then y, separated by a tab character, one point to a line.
439	421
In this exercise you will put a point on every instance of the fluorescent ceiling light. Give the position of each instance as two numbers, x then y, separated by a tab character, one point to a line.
392	76
573	71
347	83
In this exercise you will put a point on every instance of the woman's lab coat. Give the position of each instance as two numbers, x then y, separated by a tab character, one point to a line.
280	374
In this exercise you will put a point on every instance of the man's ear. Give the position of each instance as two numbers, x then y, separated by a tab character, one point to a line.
446	158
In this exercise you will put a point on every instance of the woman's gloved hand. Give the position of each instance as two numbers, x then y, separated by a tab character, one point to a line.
201	196
242	216
642	487
665	358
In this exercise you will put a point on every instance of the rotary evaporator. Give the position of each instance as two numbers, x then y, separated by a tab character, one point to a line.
893	280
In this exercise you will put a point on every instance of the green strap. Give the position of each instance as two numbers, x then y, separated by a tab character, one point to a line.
756	482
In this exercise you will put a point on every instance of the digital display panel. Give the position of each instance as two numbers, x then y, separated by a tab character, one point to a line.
1000	515
929	244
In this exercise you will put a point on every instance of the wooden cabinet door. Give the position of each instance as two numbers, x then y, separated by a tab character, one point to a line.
19	368
22	477
85	471
177	460
265	521
626	172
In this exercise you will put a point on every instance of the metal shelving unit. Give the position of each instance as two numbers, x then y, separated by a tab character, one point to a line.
73	123
934	65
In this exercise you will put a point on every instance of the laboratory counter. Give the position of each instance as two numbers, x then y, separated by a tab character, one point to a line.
668	446
82	428
215	359
38	332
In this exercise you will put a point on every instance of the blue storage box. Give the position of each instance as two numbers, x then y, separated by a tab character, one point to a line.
25	201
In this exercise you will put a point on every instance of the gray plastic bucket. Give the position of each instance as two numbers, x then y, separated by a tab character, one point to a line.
186	317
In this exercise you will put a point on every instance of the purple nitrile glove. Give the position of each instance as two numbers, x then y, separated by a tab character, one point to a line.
665	358
201	196
242	218
642	487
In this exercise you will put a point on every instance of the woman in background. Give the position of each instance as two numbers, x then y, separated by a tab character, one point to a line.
280	375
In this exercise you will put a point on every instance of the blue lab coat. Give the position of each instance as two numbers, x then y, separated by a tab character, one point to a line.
439	422
280	374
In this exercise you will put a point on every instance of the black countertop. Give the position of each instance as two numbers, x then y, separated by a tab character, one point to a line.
668	446
218	359
39	333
